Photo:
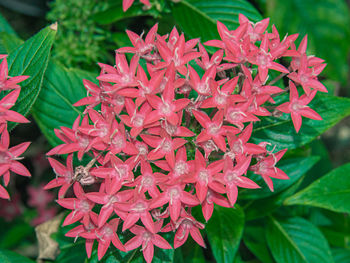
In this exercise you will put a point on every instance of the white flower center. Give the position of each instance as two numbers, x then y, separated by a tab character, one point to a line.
137	120
180	168
204	176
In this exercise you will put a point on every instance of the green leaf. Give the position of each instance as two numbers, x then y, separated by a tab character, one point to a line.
295	168
192	252
13	235
341	255
262	207
31	59
54	106
197	18
254	239
325	165
70	251
224	231
280	131
327	24
336	228
5	26
331	191
115	13
7	256
9	42
297	240
116	256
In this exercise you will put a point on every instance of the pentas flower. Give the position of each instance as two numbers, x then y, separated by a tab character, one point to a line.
213	129
297	107
38	197
74	140
256	87
202	86
208	203
9	156
7	82
164	147
206	63
177	55
128	3
203	176
165	107
266	167
80	206
306	76
239	146
254	30
135	118
144	86
147	240
163	137
109	197
138	209
8	115
186	225
175	196
11	209
105	236
221	96
180	169
265	60
123	76
140	47
64	175
9	161
148	181
115	168
232	177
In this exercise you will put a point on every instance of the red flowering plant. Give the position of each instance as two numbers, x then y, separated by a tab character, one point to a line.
10	156
171	131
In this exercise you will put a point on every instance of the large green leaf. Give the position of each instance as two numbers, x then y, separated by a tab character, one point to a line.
115	13
70	251
9	42
31	59
197	18
114	255
12	235
254	239
295	168
262	207
7	256
331	191
5	26
341	255
54	106
280	131
191	252
335	227
224	231
327	24
317	147
297	240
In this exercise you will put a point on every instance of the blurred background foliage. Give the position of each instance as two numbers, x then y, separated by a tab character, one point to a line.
89	32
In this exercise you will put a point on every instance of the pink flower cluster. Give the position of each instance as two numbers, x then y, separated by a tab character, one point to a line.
41	200
9	156
128	3
170	131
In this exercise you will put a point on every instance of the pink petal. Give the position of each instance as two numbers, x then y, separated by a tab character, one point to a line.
160	242
196	235
148	252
